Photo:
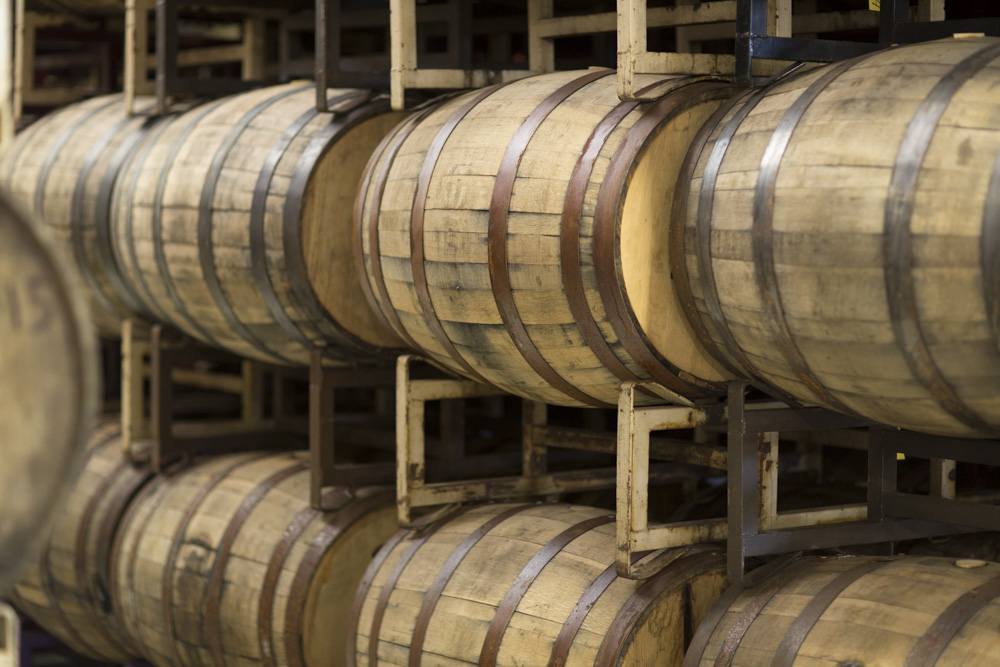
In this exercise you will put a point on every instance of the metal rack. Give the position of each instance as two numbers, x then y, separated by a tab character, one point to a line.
537	437
94	58
168	83
755	42
753	527
171	441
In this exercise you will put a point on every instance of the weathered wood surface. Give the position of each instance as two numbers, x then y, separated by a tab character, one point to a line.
66	590
233	223
900	611
48	385
518	235
529	584
64	166
841	235
225	563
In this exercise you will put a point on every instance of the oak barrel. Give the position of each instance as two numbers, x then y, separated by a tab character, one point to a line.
48	385
906	612
517	235
526	584
65	166
66	590
234	223
226	563
841	234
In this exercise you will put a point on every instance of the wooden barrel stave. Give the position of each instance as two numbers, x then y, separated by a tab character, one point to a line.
64	166
434	216
246	244
890	610
828	241
560	554
226	563
66	591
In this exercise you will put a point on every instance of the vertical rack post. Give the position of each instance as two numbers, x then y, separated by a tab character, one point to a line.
135	347
327	48
10	636
403	47
6	74
166	52
541	51
24	52
325	470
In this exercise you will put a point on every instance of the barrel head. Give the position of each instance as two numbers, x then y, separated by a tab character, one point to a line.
47	386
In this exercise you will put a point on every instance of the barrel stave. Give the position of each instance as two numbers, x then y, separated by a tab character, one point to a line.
237	222
888	611
560	555
66	590
828	240
64	166
226	563
493	305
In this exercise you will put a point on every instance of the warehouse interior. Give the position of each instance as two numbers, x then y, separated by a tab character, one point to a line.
499	332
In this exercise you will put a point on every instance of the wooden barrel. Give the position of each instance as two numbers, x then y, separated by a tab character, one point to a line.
65	166
526	584
225	563
48	381
840	236
517	235
233	223
66	591
908	612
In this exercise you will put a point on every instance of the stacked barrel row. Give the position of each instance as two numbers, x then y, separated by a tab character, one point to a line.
223	562
829	235
230	221
833	235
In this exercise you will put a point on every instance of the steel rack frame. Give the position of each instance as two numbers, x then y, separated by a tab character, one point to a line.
170	441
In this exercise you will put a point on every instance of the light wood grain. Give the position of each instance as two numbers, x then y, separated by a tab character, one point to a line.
211	534
456	228
216	156
831	263
460	620
61	177
876	620
66	590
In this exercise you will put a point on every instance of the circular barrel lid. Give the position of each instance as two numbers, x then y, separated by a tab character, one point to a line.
48	386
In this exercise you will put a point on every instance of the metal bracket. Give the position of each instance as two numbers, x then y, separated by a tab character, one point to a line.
537	437
168	83
324	469
887	516
895	26
406	73
94	55
755	42
167	443
634	534
753	526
